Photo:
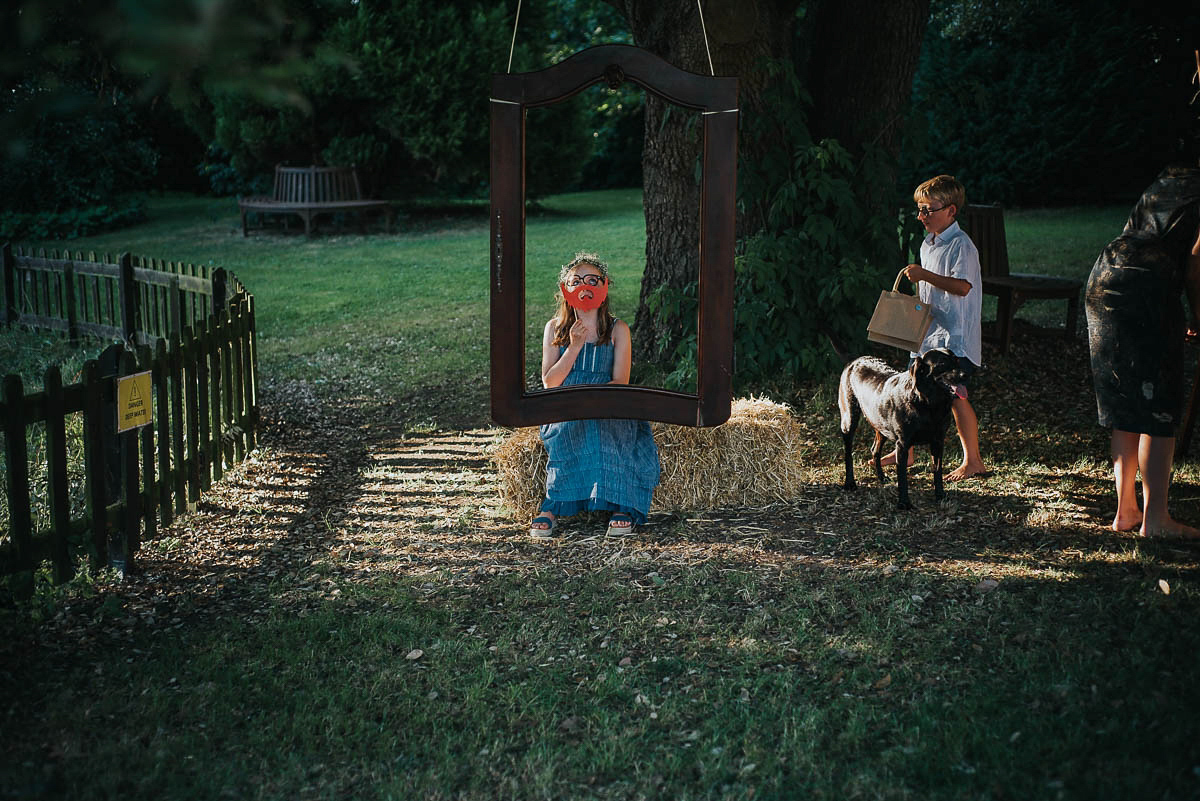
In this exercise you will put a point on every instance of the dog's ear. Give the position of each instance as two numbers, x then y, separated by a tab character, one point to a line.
920	366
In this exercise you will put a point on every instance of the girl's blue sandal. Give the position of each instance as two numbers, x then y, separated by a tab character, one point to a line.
542	533
620	531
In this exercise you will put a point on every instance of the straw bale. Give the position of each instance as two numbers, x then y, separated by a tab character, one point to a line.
756	457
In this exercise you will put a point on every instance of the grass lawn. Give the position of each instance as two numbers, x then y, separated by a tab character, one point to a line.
353	613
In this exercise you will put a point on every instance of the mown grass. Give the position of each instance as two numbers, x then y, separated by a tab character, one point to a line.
388	642
730	679
369	320
400	321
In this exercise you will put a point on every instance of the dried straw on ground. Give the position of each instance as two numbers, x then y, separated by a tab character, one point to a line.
755	458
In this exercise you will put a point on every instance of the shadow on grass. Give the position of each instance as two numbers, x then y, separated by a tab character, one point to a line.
354	614
773	653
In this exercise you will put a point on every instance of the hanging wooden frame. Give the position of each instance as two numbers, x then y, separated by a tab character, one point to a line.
716	99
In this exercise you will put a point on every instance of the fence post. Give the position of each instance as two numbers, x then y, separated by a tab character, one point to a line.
237	388
191	412
162	420
146	434
69	301
179	469
58	495
175	307
204	414
113	450
219	284
127	290
16	454
227	406
215	376
252	361
130	537
94	460
9	285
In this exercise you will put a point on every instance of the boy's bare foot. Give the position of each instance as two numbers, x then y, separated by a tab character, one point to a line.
1169	528
968	470
1127	521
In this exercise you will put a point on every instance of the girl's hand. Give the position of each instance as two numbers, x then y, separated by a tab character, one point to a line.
580	334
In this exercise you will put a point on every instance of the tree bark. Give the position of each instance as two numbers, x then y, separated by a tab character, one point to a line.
860	75
742	34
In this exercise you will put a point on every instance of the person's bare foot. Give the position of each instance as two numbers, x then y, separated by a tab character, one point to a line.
1170	529
967	470
1127	521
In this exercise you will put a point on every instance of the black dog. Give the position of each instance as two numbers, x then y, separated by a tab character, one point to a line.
910	408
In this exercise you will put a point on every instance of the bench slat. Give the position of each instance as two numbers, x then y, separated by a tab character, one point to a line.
985	225
308	191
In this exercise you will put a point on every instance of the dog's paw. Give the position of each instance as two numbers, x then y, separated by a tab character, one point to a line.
850	485
904	506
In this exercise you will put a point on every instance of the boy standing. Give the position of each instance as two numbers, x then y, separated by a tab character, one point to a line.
948	280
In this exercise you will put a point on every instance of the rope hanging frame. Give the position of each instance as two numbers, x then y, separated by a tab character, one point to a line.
716	100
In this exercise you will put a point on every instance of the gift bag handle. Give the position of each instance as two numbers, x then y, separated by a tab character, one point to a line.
896	286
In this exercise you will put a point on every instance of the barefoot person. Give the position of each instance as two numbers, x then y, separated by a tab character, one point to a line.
1136	334
595	465
948	280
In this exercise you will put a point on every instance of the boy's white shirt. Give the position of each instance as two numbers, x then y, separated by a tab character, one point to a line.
957	319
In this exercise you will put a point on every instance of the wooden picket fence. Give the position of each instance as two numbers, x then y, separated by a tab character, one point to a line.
193	330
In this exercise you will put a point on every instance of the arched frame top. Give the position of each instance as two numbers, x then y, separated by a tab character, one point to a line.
716	100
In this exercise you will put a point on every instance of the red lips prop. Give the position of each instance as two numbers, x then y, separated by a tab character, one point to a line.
584	297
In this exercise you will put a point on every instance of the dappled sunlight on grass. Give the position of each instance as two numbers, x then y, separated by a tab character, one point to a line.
352	612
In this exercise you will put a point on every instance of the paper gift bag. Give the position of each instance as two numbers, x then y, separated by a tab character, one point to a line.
899	320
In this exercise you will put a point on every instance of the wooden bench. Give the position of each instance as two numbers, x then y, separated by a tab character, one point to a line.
309	191
985	226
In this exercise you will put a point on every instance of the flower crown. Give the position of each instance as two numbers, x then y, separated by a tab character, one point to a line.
583	258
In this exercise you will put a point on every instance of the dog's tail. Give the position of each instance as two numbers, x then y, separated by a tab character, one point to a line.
835	342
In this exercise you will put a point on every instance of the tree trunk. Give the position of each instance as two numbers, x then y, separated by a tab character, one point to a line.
742	34
860	75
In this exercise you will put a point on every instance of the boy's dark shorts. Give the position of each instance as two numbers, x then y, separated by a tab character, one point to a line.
968	367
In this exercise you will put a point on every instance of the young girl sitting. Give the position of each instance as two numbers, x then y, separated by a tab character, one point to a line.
596	465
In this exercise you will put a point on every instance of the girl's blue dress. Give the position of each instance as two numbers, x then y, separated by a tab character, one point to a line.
599	465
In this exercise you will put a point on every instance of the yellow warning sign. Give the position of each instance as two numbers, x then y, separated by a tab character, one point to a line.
134	394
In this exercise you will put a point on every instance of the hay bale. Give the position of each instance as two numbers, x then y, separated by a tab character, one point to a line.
520	463
755	458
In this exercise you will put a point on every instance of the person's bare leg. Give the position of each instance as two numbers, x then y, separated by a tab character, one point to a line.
1155	455
968	437
890	459
1125	470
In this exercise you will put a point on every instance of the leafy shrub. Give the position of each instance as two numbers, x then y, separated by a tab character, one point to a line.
400	90
813	267
225	180
72	223
69	161
618	123
1059	103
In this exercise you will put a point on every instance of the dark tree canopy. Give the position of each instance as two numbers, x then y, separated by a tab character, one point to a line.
1032	102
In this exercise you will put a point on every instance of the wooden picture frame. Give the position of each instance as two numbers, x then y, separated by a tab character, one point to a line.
716	100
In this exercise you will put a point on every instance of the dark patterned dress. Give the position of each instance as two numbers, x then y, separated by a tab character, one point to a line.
1135	318
599	465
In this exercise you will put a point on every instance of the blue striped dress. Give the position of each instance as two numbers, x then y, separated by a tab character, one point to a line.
599	465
